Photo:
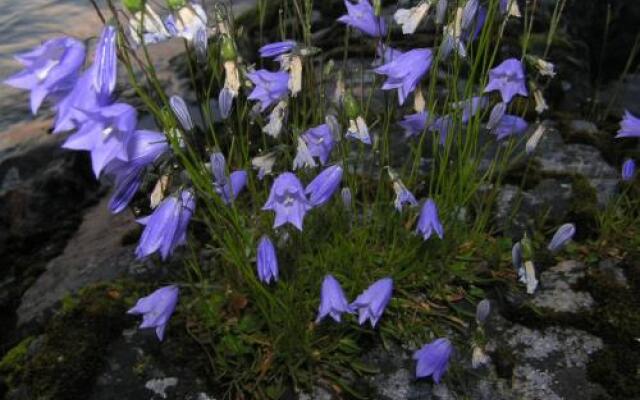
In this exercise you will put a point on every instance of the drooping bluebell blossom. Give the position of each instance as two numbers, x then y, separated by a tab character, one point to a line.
228	188
347	198
319	142
201	44
277	48
145	147
358	130
303	158
441	10
323	186
181	111
510	125
362	16
71	110
433	359
628	170
145	26
517	259
468	14
106	62
497	112
166	228
508	78
186	21
404	73
288	201
156	309
385	54
562	236
49	70
269	87
371	303
483	309
470	107
106	134
414	124
333	302
429	221
629	126
267	261
442	125
472	32
403	195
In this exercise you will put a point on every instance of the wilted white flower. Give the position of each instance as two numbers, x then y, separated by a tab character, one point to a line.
419	103
359	130
159	190
264	164
303	156
530	277
410	18
533	141
544	67
334	126
541	103
479	358
276	119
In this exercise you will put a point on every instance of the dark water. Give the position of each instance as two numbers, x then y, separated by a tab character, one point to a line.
23	25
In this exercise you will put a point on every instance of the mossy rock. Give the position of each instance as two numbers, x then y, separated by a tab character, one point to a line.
583	208
73	344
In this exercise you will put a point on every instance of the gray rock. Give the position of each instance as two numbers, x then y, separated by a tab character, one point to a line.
555	292
612	270
95	253
555	157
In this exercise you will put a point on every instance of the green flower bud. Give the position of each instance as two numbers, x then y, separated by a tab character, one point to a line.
176	4
377	7
527	248
351	106
133	5
228	49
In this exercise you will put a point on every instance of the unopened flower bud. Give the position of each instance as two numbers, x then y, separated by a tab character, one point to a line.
228	50
527	248
351	106
346	198
176	4
181	111
133	5
483	309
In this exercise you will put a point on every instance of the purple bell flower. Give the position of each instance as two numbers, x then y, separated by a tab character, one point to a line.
414	124
71	110
156	309
628	170
362	16
267	261
227	187
404	72
145	147
277	48
49	69
468	14
433	359
629	126
320	142
510	125
429	221
442	125
288	201
403	195
166	228
470	107
269	87
385	54
372	302
333	302
509	79
323	186
187	21
106	61
562	236
105	133
181	111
